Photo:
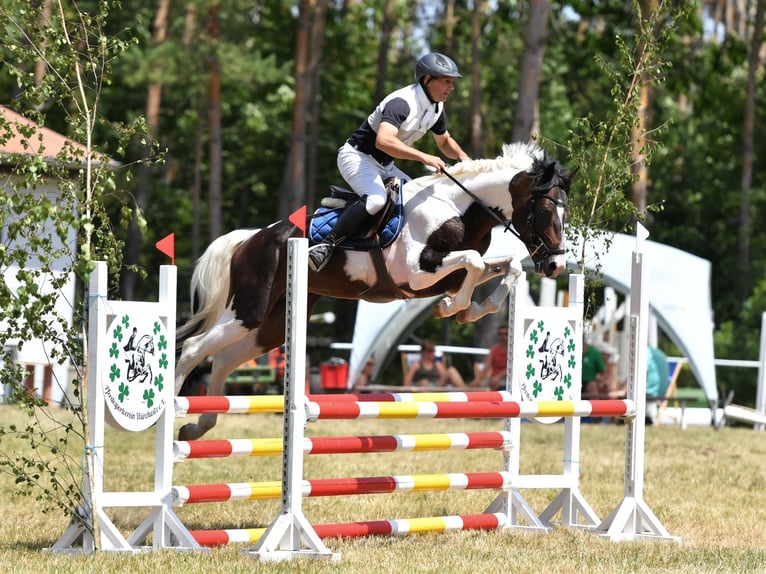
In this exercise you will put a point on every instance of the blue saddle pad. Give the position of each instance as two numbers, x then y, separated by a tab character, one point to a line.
324	220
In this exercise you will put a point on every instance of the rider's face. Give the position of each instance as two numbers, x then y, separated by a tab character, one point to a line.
440	88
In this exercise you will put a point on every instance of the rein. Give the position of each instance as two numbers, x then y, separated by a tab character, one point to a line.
487	208
547	251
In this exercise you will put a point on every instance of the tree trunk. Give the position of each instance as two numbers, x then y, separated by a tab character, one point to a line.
386	30
524	118
215	207
317	41
44	19
449	26
132	254
476	135
293	190
639	130
748	149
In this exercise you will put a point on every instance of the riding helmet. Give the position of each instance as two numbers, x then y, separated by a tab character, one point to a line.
436	65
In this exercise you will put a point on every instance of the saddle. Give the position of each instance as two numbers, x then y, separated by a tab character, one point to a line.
378	233
381	230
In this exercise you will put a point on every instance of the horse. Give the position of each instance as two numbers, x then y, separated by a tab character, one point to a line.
240	280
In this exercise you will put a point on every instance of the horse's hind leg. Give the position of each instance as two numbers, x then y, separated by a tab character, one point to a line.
225	361
226	331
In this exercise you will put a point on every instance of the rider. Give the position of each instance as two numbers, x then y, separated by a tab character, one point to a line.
367	157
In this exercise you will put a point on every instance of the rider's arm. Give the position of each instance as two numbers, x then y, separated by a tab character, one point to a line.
387	142
449	147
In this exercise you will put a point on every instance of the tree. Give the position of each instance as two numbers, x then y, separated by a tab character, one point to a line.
153	99
525	115
37	251
748	148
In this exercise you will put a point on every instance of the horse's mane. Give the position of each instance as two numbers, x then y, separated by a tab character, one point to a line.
521	156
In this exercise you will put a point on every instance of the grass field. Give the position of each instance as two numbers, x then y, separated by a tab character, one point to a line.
707	487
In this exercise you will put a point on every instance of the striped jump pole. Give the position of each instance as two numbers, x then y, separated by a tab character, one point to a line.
238	491
395	527
244	404
330	408
530	409
183	450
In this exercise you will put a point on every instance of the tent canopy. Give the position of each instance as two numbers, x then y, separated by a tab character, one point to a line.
679	298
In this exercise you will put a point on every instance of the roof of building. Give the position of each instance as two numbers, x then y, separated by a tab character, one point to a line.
46	142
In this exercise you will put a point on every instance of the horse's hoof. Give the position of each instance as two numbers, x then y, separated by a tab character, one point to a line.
188	432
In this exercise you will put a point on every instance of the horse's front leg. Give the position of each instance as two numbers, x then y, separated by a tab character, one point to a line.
494	302
474	267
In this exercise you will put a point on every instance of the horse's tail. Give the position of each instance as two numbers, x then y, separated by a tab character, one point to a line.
210	281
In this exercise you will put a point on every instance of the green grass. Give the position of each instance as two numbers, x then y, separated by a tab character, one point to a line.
705	486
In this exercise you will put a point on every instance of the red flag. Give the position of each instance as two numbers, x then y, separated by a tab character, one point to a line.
168	246
298	219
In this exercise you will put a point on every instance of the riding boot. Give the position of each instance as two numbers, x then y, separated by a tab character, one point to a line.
349	221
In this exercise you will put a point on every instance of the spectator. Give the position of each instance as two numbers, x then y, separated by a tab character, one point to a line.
428	371
657	370
493	373
365	377
593	369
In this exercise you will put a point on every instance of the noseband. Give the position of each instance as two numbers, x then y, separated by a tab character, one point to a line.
540	245
539	242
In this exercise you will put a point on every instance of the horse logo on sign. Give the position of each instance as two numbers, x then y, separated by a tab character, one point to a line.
135	371
548	369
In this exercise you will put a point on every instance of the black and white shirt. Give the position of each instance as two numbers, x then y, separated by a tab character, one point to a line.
410	110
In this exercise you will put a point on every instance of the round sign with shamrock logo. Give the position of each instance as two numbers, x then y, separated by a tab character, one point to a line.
549	370
135	371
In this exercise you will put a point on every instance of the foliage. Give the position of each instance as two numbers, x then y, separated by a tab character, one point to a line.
56	218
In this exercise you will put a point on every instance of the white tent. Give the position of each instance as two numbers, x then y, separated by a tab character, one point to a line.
679	298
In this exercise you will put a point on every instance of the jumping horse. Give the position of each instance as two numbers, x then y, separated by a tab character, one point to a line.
240	280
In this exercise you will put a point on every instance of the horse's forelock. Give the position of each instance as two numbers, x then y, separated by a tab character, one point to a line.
548	173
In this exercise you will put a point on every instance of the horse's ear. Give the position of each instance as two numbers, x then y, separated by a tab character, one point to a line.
550	171
572	174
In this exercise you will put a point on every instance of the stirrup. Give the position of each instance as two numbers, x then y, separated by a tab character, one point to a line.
320	255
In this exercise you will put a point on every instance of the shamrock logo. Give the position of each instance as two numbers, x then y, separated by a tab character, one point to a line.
114	351
114	373
126	321
162	343
533	336
537	388
571	363
163	361
149	397
571	346
159	382
559	392
117	334
530	352
568	380
530	371
156	327
124	392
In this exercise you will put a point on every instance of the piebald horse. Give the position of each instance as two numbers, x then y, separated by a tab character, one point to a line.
239	281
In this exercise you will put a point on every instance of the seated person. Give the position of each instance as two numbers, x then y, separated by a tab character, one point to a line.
365	377
495	368
430	372
593	369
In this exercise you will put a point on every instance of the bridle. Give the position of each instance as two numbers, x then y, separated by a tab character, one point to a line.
539	243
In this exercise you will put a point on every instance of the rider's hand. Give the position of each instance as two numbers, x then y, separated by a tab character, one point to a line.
434	162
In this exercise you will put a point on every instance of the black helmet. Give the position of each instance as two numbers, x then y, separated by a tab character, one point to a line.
436	65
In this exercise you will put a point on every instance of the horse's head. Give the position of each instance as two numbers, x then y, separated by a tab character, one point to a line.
540	210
